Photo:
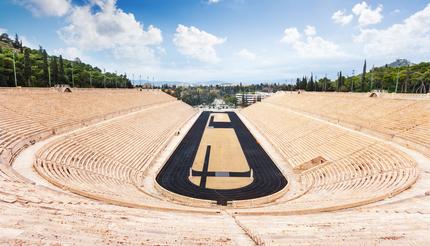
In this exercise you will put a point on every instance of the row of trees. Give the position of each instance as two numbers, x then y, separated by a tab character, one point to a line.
205	94
405	79
30	67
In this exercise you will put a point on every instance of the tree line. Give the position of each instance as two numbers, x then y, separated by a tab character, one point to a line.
22	66
404	79
205	94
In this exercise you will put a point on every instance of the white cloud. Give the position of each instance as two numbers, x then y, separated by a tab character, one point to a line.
367	16
47	7
3	30
310	31
412	36
291	35
213	1
70	53
396	11
197	44
27	43
110	28
246	54
341	18
311	46
130	54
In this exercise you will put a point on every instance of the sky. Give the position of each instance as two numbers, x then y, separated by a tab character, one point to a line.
224	40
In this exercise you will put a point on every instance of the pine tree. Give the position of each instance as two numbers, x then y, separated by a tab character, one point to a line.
310	85
27	67
54	70
61	74
304	83
339	82
16	43
363	77
45	67
313	83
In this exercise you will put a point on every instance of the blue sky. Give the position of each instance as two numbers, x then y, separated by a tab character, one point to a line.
229	40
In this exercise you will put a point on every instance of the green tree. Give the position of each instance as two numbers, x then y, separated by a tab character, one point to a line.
339	81
363	77
61	74
45	67
230	99
310	86
54	70
16	42
7	72
323	83
27	67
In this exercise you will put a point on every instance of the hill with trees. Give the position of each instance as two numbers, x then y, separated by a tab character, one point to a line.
35	68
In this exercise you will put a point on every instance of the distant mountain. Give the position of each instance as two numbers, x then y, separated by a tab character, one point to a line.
400	63
213	82
160	83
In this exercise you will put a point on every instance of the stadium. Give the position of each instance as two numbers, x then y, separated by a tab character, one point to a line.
286	170
214	122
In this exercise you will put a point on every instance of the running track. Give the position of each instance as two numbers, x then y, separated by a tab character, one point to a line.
268	179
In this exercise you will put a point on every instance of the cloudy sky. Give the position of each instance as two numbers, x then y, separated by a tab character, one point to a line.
229	40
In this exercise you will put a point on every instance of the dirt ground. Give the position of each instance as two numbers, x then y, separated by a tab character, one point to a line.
220	117
226	155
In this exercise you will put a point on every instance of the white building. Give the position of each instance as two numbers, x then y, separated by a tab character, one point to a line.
250	98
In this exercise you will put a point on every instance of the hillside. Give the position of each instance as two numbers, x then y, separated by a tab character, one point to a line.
36	68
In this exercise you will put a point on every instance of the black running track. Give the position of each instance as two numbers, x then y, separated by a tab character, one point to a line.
268	179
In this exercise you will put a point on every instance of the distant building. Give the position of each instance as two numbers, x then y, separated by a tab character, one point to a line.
219	104
250	98
147	86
